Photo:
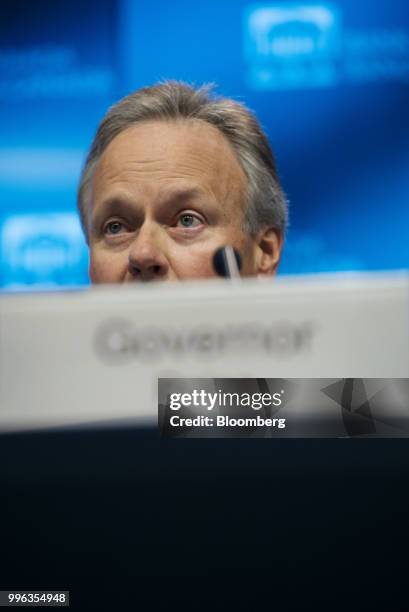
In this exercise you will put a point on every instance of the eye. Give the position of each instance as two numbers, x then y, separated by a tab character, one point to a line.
113	227
188	220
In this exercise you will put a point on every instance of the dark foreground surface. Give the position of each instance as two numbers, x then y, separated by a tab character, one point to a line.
127	520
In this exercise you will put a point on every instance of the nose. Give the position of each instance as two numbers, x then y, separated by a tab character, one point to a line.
147	260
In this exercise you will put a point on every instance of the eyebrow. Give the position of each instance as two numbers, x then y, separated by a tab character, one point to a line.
122	205
111	206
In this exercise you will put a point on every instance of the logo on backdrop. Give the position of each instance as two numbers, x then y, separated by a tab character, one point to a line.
308	45
46	250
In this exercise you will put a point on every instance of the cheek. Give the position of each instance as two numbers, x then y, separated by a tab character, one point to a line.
106	268
195	266
248	255
196	260
246	246
192	262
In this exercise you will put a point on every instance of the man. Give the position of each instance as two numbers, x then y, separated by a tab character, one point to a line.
172	175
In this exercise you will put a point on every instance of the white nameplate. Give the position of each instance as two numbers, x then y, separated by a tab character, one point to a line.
96	355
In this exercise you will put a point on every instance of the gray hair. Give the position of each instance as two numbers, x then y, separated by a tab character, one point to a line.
172	100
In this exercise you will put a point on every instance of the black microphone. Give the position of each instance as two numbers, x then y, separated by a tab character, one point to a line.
227	262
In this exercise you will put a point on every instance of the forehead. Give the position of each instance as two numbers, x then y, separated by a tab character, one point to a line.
164	151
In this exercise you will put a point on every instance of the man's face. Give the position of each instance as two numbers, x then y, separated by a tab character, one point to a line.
165	196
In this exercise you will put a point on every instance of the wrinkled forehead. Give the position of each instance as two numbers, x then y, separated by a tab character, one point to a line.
160	151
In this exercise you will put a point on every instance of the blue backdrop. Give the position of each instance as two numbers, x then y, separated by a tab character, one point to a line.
329	82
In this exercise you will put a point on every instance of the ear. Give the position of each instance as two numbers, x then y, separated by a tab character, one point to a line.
270	244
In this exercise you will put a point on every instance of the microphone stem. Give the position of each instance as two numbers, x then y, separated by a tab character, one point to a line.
231	263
